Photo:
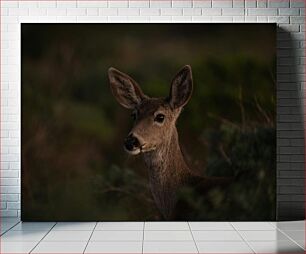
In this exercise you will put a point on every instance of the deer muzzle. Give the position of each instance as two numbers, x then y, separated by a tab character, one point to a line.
132	144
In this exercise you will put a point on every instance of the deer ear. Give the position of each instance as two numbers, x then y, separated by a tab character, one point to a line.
181	88
125	89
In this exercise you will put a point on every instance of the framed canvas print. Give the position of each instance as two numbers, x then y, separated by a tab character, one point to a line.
128	122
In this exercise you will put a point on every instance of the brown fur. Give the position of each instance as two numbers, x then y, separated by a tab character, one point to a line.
159	142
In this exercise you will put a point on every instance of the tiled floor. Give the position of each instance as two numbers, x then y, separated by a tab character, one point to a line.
152	237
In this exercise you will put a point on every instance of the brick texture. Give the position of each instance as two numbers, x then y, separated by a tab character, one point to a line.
288	14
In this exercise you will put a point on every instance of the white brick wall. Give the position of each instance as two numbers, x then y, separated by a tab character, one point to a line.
289	14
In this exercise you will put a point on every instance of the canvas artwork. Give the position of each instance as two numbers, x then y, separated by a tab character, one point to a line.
128	122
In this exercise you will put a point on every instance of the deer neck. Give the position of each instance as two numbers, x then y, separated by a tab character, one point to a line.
166	163
167	171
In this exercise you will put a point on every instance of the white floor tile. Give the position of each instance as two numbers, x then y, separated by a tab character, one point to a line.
9	220
297	235
6	225
98	236
33	226
17	247
169	247
225	226
160	237
216	236
114	247
63	226
253	225
168	225
291	225
60	247
67	236
223	247
167	236
276	247
5	228
120	226
23	236
274	235
301	243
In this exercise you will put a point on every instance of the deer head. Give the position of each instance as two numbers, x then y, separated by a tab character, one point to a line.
154	118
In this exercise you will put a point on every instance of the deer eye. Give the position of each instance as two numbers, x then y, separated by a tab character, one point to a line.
134	116
159	118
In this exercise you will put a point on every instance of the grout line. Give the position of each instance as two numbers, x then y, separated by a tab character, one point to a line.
290	238
90	236
10	228
121	230
193	237
158	240
273	225
233	226
154	230
143	231
247	243
42	238
227	230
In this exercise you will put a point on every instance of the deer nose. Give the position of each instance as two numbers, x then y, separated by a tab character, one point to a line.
131	142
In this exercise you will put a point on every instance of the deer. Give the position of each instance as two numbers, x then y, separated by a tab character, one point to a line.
155	136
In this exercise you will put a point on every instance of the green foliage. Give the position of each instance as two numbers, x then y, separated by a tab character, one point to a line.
84	119
125	193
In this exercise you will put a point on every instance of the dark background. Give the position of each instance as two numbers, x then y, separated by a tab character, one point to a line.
73	163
